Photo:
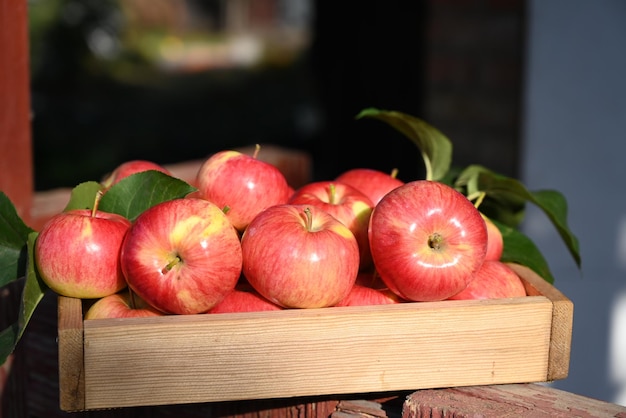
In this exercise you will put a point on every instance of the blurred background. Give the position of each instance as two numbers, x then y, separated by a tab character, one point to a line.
172	80
573	141
532	89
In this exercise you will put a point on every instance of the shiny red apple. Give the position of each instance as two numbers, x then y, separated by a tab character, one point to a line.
427	240
494	279
299	256
77	253
371	182
495	242
241	185
123	304
182	256
345	203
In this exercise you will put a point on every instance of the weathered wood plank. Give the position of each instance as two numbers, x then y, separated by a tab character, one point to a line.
359	408
513	400
71	367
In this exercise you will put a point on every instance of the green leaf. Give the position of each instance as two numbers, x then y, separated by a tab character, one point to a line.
13	239
520	249
507	208
138	192
507	192
32	293
450	177
35	288
8	341
83	196
435	147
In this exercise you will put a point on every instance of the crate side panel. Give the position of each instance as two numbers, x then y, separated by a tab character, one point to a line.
562	321
316	352
70	342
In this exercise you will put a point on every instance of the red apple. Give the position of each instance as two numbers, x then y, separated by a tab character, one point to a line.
121	305
373	183
495	243
345	203
244	301
242	185
427	240
494	279
299	256
363	295
182	256
131	167
77	253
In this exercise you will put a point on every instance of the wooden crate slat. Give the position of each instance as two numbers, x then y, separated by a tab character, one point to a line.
71	367
294	353
562	321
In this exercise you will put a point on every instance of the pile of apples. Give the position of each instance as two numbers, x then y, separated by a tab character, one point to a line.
245	240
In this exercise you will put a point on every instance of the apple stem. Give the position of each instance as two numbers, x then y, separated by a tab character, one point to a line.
394	173
435	240
479	196
309	218
428	165
96	202
257	148
171	264
331	193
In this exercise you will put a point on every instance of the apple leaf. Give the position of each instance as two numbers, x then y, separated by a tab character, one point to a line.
435	147
507	208
131	195
83	196
32	293
506	191
8	341
140	191
13	239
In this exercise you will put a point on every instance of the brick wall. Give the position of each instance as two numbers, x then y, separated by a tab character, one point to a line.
473	78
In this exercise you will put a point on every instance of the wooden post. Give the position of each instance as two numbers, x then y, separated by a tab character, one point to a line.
16	171
16	176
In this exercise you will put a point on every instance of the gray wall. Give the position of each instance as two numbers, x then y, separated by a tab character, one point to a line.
574	140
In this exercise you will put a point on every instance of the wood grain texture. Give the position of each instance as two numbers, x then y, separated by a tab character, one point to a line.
513	400
359	408
562	321
71	367
293	353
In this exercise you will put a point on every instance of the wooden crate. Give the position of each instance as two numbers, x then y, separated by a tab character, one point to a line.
112	363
